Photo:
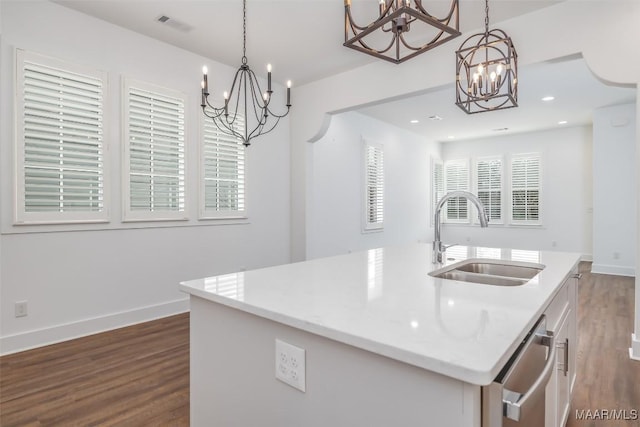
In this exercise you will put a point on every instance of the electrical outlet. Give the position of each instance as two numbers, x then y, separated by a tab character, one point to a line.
20	309
291	365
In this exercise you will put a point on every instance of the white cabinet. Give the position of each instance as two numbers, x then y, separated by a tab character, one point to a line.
563	395
562	320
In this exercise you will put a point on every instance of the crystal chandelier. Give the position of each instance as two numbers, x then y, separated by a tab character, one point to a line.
487	71
387	36
245	102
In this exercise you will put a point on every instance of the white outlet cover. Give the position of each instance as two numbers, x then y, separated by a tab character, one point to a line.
291	365
21	309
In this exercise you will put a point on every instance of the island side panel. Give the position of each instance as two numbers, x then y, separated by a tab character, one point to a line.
233	380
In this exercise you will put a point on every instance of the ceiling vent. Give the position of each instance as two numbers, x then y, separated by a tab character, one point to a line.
174	23
435	118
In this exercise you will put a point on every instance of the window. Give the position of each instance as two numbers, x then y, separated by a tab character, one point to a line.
374	183
60	142
223	172
437	185
489	186
456	177
154	187
525	188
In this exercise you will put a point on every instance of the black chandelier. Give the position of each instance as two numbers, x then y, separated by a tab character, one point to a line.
394	21
245	91
487	71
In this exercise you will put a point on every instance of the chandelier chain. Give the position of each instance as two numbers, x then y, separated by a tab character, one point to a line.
486	16
244	32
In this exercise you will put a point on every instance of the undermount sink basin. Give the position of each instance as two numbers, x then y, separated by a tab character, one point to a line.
490	272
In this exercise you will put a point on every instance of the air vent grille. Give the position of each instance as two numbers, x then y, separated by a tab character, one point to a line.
174	23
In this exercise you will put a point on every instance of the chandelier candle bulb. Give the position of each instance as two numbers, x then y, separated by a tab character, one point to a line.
288	93
205	83
268	79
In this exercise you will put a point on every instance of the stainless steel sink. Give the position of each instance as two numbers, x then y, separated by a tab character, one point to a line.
490	272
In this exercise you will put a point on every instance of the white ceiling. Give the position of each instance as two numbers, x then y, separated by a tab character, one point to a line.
576	90
303	40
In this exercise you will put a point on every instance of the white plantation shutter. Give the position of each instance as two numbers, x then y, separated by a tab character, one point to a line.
223	170
437	185
525	188
374	186
489	183
154	139
60	141
456	177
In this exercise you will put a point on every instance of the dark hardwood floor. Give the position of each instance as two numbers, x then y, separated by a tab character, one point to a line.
139	375
134	376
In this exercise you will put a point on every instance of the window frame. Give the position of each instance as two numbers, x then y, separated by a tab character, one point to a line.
129	215
378	225
466	163
436	182
20	215
209	214
538	221
476	175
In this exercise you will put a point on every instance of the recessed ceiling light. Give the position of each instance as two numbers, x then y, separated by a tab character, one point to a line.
414	121
451	137
562	122
548	98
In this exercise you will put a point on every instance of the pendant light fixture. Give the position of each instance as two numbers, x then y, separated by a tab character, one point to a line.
245	103
487	71
388	36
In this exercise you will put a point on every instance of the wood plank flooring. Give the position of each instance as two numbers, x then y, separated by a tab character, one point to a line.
139	376
133	376
606	377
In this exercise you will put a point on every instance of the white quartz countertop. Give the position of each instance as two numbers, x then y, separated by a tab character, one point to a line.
383	301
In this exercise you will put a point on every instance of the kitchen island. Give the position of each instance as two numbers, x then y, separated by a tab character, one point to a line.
385	343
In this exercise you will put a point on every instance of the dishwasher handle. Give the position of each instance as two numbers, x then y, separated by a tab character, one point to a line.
514	402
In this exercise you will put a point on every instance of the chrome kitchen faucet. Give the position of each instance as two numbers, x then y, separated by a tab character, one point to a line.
438	247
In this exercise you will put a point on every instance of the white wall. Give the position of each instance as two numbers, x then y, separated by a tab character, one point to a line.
82	279
614	190
337	215
566	193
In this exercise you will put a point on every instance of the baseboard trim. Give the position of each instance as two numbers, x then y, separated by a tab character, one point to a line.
634	351
613	270
586	258
55	334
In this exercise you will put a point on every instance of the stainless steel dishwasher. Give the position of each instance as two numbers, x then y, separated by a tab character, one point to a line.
516	398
